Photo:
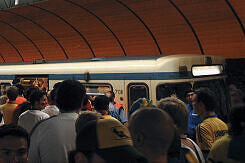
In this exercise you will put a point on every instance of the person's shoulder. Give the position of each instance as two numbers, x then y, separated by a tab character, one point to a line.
223	141
44	124
24	113
43	114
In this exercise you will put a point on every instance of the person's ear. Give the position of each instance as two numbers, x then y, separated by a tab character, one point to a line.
80	158
139	139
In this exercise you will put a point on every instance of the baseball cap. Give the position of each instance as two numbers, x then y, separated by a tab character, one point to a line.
109	139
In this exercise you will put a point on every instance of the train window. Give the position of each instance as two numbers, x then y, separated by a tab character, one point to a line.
222	96
40	81
137	90
177	89
4	87
97	88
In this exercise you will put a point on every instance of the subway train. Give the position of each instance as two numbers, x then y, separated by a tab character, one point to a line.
153	77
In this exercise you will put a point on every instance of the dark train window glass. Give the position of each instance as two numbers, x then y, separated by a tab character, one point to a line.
136	91
168	89
40	81
4	87
222	96
97	88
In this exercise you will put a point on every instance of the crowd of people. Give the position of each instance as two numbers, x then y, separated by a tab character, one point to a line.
64	126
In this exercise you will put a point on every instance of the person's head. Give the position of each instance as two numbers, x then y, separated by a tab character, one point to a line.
70	95
236	95
139	103
189	96
237	120
51	97
110	95
177	110
85	117
101	103
12	93
56	85
204	100
106	140
38	100
3	99
14	143
29	91
16	81
152	130
20	89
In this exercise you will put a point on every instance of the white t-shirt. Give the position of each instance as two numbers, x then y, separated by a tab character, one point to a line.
51	110
29	118
52	139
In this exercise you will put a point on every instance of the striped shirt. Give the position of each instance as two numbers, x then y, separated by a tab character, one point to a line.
210	130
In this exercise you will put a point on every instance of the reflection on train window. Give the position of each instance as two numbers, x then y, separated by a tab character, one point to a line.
177	89
137	90
93	88
40	81
221	92
4	87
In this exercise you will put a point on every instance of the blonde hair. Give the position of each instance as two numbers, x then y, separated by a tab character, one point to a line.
177	109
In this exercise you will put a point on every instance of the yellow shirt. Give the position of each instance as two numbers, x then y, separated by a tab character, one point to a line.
210	130
219	151
8	112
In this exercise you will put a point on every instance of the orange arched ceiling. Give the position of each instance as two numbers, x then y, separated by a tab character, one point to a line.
75	29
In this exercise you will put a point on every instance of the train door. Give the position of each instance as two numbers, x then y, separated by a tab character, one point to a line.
136	90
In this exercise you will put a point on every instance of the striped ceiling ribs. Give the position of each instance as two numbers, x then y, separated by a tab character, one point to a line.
76	29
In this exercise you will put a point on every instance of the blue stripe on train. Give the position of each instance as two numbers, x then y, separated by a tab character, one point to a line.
124	76
115	76
7	77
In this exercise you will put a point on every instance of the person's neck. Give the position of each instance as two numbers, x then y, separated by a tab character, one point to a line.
11	102
207	114
159	159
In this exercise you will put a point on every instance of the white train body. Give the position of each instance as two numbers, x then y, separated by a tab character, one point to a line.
125	76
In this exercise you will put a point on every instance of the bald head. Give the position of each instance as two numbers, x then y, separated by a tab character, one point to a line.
152	131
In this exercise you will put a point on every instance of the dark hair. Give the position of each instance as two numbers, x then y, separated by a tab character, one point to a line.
15	81
70	95
101	103
29	91
236	117
56	85
53	94
189	91
14	130
208	98
112	96
36	96
12	93
20	89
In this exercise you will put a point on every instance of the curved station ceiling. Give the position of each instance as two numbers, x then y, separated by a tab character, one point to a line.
76	29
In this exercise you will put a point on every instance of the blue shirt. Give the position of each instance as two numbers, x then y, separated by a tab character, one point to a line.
193	121
114	112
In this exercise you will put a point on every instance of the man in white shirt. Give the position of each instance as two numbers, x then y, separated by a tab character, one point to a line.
52	139
51	109
29	118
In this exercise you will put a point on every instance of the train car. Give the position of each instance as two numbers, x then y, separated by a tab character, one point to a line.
153	77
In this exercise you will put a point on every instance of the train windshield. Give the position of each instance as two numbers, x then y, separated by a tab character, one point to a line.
217	86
